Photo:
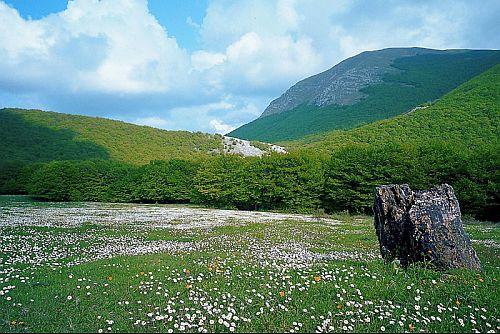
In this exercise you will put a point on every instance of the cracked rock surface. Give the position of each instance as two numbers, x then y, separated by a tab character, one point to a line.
422	226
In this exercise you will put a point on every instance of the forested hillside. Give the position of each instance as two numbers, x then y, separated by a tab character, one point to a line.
409	82
30	137
456	140
453	141
37	136
467	116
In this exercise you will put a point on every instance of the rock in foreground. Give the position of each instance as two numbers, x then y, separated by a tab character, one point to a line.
422	226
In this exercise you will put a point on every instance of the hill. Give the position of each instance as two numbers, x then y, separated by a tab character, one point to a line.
468	116
365	88
39	136
456	140
29	137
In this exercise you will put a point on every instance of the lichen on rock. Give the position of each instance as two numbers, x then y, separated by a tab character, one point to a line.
422	226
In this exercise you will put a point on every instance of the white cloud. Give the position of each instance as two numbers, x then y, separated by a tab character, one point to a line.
287	13
114	58
263	47
203	60
20	37
221	127
105	46
265	60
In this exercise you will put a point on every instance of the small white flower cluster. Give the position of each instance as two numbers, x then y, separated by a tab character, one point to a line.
229	281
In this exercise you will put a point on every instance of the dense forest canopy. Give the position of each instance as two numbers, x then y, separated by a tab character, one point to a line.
454	140
40	136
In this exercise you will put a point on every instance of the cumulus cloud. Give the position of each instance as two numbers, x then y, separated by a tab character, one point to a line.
259	63
260	42
221	127
104	46
113	58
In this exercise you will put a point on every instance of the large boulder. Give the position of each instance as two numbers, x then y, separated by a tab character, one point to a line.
422	226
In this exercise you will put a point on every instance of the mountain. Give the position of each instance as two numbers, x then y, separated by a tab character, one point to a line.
468	116
456	140
342	83
371	86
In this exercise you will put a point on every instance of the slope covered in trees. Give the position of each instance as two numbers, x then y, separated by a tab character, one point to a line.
411	81
454	141
37	136
468	116
30	137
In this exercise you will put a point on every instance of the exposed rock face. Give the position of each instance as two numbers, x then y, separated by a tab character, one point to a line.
247	149
417	226
342	83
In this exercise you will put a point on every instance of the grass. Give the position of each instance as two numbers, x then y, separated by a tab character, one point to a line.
243	275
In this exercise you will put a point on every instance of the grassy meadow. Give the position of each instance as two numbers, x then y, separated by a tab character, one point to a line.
101	267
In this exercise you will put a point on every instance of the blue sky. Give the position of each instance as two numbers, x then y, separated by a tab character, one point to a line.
172	14
37	9
206	65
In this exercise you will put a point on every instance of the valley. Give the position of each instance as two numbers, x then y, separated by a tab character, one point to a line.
107	226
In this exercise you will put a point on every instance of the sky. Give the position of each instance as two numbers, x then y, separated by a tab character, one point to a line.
206	65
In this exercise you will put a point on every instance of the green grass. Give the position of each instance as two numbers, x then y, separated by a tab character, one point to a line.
236	262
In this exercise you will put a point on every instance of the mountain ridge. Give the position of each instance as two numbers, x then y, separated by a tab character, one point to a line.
422	76
324	82
469	115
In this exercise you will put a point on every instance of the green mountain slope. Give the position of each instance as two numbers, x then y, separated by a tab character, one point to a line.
410	82
468	116
28	136
456	141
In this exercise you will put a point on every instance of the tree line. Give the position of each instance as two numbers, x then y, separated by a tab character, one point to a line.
295	182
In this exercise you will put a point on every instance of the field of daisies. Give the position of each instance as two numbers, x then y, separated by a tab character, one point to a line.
93	267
